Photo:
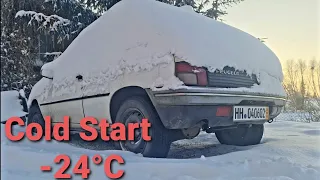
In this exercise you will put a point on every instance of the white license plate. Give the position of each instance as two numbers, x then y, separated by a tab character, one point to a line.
249	113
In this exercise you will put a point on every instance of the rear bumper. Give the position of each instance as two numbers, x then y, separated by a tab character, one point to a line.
187	108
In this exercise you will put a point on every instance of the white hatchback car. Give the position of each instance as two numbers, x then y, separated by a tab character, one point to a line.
181	70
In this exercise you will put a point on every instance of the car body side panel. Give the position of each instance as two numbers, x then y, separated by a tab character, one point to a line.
73	109
39	92
45	110
58	106
99	107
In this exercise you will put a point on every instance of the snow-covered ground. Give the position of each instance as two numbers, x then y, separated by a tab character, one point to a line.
289	150
10	105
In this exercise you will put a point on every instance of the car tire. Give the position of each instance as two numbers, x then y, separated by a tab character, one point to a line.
242	135
35	116
137	108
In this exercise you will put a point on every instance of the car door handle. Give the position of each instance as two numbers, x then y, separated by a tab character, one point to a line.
79	77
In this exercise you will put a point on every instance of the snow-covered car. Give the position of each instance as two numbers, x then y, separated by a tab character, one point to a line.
181	70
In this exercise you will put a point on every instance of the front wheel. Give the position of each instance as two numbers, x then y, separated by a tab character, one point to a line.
35	116
133	110
242	135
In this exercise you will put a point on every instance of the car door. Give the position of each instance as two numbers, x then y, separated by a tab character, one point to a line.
96	105
68	105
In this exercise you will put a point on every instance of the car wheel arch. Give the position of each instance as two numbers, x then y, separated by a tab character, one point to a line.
121	95
33	103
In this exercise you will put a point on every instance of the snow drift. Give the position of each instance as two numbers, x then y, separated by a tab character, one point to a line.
289	151
10	105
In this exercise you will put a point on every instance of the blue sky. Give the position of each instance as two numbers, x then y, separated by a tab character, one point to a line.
291	26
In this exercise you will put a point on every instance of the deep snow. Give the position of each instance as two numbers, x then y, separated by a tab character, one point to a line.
139	36
289	150
129	31
10	104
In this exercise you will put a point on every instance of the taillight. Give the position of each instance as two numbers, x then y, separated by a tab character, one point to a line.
191	75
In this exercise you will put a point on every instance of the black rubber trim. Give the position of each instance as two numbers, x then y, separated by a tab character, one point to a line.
74	99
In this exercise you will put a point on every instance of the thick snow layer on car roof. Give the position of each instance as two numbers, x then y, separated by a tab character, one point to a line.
139	35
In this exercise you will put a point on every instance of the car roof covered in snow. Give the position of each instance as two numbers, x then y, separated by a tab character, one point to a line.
139	32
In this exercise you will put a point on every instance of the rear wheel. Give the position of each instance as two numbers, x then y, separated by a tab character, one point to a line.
133	110
242	135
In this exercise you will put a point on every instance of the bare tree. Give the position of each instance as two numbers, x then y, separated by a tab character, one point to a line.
313	102
314	79
302	85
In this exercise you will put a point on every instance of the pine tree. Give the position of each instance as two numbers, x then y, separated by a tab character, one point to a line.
99	6
17	49
218	8
211	8
34	32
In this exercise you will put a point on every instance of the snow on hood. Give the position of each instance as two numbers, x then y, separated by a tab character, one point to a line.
136	35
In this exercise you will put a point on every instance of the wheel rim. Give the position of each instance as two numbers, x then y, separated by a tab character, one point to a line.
137	145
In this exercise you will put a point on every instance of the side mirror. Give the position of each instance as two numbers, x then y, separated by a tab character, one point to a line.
47	72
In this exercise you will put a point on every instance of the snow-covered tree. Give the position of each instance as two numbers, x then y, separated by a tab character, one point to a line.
179	3
210	8
60	19
37	31
99	6
34	32
17	50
